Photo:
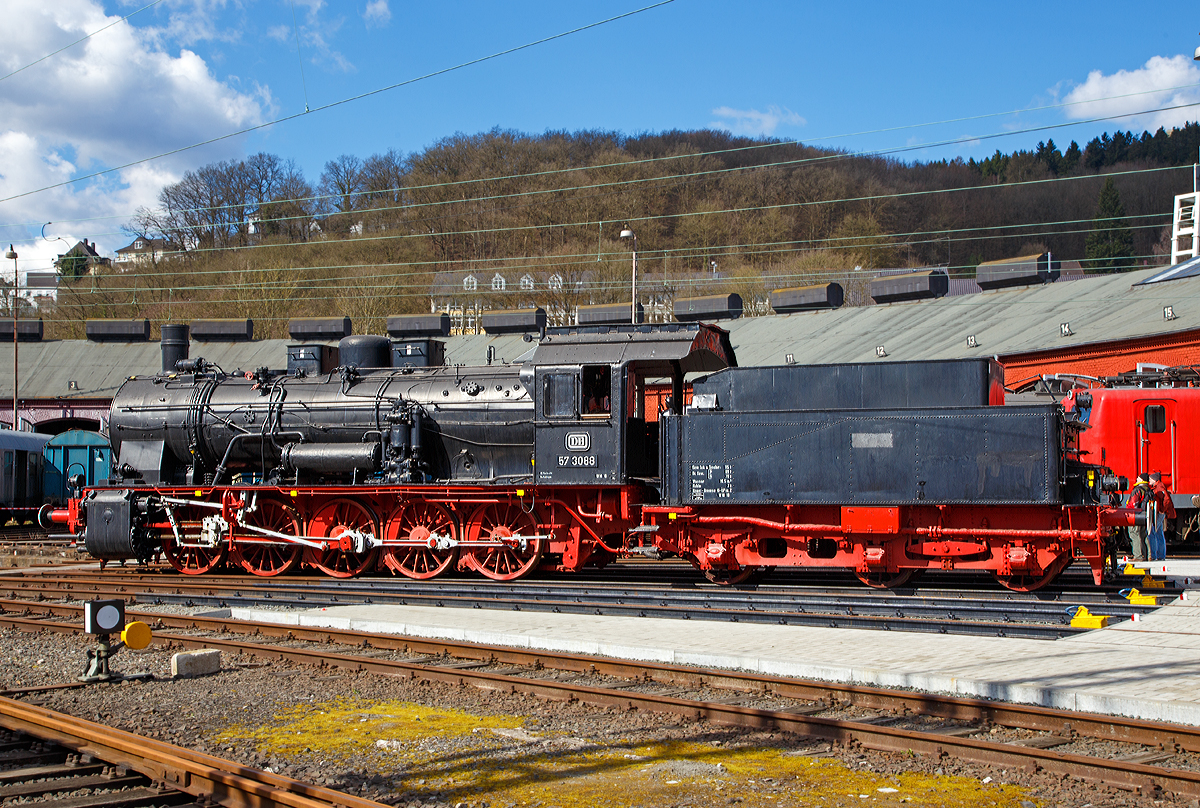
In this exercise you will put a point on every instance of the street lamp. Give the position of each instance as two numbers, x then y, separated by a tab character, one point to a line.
13	255
627	233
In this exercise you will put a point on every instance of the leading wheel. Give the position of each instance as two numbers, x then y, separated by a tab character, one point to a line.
337	520
193	560
882	579
418	524
261	555
511	554
1031	582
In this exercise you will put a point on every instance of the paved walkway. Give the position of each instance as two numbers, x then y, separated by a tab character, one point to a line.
1146	669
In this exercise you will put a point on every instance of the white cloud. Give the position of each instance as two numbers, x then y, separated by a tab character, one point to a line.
377	13
753	122
112	99
1150	87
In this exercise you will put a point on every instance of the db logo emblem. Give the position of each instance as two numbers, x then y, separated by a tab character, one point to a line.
578	441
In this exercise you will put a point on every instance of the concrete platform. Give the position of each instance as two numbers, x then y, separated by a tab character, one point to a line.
1148	669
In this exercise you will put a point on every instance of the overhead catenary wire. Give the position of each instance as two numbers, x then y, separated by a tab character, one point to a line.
341	102
664	178
535	263
592	223
81	39
741	251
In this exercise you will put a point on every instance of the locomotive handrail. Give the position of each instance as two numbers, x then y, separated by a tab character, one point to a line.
179	501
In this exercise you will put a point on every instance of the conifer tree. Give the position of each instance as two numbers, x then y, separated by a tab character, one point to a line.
1109	246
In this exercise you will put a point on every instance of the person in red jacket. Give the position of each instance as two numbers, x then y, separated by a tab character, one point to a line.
1164	509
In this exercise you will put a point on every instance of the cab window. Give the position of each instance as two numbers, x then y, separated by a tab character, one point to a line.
597	387
558	396
1156	418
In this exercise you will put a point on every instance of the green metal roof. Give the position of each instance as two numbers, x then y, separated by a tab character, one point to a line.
1007	321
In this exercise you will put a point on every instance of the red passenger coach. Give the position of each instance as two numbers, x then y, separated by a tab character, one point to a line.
555	463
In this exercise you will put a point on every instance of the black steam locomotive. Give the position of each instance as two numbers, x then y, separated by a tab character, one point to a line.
555	462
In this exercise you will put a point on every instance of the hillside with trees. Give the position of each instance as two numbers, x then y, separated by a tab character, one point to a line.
713	213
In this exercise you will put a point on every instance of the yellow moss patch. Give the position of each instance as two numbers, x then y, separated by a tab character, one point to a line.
344	727
458	756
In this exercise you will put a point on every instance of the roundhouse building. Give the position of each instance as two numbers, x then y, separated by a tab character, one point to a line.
1033	320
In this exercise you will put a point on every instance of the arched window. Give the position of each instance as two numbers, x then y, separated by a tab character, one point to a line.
470	284
498	283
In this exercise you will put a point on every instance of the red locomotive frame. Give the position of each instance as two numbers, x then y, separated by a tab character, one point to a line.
506	533
554	516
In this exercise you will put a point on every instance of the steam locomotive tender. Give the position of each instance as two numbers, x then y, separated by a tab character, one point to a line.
553	462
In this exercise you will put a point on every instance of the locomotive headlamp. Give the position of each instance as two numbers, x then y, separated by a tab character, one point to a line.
1112	482
103	616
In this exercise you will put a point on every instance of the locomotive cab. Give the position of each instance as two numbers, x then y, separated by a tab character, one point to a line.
590	424
579	424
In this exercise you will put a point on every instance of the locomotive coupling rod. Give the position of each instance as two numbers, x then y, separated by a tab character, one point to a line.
507	541
262	531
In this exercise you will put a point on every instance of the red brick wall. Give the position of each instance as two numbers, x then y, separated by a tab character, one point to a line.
1103	359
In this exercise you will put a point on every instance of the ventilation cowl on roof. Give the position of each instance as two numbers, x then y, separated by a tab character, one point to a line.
319	328
713	307
910	286
807	298
1025	270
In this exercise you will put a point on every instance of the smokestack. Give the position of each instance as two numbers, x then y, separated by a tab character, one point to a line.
174	345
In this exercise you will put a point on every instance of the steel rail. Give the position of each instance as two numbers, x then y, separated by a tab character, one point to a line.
845	617
195	773
1111	772
1023	716
1006	617
676	580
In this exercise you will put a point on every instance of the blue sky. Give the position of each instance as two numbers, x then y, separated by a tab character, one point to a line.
861	76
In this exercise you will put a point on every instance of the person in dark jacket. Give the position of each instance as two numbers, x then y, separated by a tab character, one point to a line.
1139	496
1164	509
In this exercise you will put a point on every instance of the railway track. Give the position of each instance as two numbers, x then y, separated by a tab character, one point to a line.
1135	755
958	611
61	760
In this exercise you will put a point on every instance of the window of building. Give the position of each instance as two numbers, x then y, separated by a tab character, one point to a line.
470	284
526	283
498	283
556	282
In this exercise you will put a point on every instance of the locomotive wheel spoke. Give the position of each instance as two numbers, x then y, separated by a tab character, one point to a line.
882	579
193	560
1031	582
331	521
416	522
260	556
503	562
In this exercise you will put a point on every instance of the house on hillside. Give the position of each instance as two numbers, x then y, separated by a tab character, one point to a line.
143	251
80	260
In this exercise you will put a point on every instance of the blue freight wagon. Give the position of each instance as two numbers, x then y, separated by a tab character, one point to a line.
75	451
